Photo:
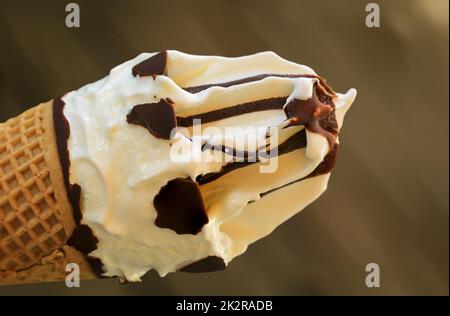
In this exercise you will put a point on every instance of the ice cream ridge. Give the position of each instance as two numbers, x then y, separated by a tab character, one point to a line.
173	162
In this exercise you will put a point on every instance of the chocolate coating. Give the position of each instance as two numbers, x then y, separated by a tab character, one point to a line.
158	118
316	114
180	207
153	66
328	163
82	238
62	131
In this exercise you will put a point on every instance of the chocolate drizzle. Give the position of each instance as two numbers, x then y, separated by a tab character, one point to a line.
235	110
208	264
210	177
198	89
180	207
328	163
82	237
324	167
158	118
296	141
153	66
317	114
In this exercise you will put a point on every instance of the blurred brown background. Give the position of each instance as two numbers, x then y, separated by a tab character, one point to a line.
388	197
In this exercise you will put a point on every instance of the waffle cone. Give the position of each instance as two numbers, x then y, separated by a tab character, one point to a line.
36	218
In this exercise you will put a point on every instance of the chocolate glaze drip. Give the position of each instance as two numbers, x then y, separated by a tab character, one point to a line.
324	167
82	238
158	118
235	110
153	66
316	114
208	264
180	207
296	141
198	89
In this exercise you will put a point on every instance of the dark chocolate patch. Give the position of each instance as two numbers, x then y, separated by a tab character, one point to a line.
97	267
180	207
158	118
153	66
82	238
208	264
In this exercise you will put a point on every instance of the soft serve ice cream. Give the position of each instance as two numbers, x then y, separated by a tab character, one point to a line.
146	203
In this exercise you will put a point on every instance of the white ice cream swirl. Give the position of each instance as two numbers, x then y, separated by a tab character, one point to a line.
121	167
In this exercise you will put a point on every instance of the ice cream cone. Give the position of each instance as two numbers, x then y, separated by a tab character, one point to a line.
36	217
119	178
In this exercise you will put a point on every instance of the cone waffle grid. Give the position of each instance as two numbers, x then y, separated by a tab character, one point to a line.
30	223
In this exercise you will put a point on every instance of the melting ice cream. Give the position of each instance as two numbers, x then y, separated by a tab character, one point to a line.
142	209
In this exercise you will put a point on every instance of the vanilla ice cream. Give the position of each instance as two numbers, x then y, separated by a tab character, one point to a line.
183	161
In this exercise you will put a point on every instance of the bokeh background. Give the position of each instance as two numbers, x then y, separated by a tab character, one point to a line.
387	200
